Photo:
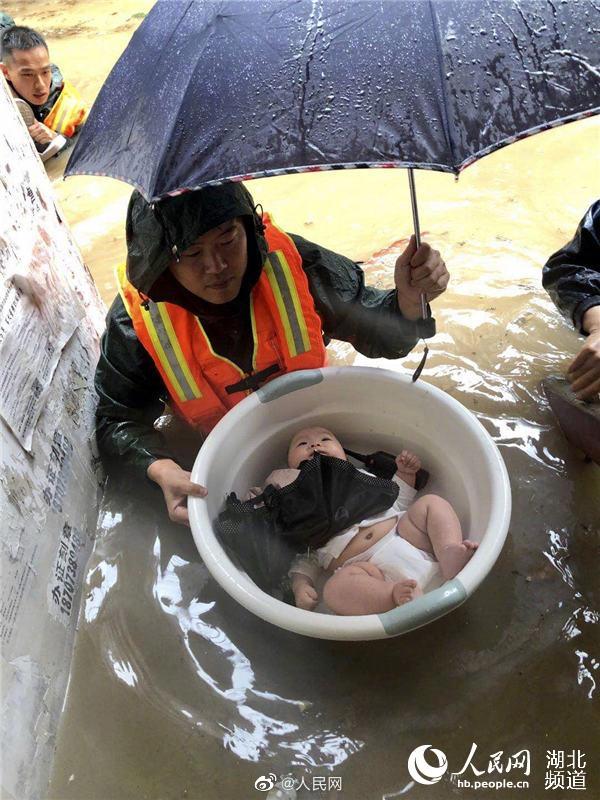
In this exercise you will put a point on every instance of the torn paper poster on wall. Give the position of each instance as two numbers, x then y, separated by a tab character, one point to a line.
50	320
40	309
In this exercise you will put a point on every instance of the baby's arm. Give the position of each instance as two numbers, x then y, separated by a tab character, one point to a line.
408	464
278	478
282	477
253	491
305	594
303	573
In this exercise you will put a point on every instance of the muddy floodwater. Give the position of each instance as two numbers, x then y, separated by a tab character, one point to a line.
176	691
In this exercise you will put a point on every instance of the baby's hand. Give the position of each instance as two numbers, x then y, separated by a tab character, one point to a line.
408	463
306	597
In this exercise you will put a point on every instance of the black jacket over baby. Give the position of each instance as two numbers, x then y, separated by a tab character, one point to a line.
328	496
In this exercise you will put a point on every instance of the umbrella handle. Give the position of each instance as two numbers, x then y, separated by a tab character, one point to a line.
415	213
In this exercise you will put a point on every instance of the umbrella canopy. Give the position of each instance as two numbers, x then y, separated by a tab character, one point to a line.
216	90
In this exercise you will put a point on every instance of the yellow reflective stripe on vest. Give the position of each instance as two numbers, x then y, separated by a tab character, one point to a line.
121	277
286	296
160	329
60	110
61	118
254	334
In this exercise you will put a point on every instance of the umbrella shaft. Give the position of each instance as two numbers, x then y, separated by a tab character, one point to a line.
415	213
413	202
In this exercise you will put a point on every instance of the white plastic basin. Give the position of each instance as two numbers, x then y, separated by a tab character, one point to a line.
368	409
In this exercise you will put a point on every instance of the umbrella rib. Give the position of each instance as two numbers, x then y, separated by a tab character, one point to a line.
578	60
446	121
302	124
166	46
183	93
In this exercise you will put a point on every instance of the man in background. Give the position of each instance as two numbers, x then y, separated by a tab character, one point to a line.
50	106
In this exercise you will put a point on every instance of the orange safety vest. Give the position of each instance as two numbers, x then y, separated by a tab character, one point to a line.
67	113
286	330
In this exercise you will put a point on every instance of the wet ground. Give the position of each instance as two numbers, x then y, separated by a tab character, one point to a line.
176	691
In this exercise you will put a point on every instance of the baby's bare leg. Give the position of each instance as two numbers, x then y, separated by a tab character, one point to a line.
361	588
431	524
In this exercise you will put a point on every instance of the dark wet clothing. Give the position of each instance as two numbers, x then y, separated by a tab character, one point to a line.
130	389
572	275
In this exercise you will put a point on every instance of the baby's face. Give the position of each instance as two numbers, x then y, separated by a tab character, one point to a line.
309	441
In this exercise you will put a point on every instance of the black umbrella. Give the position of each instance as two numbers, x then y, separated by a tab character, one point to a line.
235	89
220	90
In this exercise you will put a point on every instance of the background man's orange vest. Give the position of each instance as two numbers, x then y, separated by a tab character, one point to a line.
67	114
286	330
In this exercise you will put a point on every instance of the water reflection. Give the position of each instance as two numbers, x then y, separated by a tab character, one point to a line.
123	670
580	620
254	733
106	574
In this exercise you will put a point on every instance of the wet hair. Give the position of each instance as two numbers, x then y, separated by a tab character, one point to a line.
18	37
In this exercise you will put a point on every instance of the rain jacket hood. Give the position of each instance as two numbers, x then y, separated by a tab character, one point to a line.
157	232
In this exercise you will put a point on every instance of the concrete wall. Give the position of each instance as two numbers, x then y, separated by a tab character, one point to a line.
51	317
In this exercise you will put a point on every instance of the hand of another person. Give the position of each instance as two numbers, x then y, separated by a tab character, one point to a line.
417	271
40	133
584	371
176	487
306	597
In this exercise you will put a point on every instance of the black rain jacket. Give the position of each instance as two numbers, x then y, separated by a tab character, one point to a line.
572	275
130	390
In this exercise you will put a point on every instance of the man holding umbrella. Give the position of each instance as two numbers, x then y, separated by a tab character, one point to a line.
215	301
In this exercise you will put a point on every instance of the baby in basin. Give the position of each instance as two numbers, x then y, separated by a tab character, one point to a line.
382	562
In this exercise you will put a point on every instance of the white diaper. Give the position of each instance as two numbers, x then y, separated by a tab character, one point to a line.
399	560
